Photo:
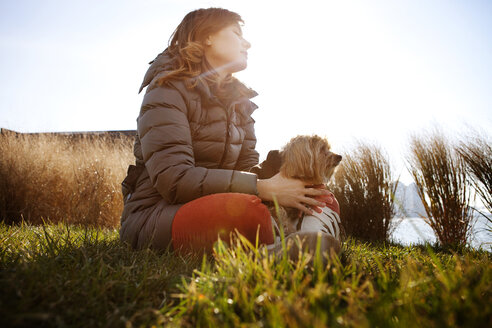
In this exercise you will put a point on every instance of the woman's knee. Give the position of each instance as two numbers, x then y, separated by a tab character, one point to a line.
202	220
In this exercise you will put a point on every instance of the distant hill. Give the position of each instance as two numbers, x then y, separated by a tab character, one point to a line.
408	203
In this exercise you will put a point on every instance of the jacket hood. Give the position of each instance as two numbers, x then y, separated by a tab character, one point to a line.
162	64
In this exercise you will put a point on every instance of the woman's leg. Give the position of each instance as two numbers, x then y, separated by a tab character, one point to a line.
198	224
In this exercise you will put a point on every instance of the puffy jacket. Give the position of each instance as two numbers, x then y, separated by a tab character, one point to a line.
189	144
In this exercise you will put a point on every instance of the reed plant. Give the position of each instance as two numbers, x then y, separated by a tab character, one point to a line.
56	178
476	151
365	188
441	179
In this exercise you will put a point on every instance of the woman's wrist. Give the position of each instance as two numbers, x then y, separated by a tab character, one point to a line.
262	187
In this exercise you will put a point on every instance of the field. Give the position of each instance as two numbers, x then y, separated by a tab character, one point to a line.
62	275
62	264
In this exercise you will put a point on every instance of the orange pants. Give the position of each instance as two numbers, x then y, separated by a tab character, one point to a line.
197	224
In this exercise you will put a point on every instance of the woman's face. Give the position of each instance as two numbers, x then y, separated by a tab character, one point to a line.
226	50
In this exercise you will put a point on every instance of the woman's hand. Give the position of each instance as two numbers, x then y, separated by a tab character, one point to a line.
290	193
328	198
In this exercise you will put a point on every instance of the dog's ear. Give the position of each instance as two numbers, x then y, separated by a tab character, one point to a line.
274	157
331	162
299	158
335	158
269	167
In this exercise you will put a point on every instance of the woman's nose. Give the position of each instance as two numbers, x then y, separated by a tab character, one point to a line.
246	44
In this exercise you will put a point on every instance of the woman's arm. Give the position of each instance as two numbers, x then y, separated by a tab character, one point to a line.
168	154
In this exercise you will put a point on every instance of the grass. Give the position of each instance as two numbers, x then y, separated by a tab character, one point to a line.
60	275
65	275
365	187
477	154
441	177
57	178
77	273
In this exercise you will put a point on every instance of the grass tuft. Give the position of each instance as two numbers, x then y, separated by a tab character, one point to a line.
54	178
365	189
441	179
476	151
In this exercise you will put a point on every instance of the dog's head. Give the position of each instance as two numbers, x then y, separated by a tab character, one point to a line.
309	158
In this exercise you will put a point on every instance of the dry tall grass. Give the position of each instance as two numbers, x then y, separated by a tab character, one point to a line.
55	178
476	151
441	179
365	188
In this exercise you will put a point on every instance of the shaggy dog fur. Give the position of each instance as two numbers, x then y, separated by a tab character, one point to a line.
307	158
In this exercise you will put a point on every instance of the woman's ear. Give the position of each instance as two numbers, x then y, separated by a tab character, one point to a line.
208	41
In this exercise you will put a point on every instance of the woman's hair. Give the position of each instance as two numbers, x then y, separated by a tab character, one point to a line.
186	45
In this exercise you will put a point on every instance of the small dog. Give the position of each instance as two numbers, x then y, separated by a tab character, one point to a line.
309	159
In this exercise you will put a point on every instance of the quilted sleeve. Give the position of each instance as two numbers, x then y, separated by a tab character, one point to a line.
168	154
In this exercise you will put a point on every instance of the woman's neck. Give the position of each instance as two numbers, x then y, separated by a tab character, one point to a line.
218	74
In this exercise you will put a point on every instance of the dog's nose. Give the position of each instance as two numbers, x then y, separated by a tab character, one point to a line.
338	158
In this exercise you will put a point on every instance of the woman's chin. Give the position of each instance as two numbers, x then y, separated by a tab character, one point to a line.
233	67
239	66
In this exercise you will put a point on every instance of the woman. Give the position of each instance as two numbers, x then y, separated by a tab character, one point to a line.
196	143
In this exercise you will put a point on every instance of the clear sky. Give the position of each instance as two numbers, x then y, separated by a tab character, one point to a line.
375	70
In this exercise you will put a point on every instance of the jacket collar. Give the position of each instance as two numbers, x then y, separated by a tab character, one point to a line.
241	93
162	64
